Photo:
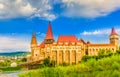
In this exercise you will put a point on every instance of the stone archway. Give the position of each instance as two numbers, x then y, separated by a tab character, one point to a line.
73	56
54	56
60	57
67	56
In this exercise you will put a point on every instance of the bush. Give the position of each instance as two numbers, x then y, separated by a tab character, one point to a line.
118	51
101	52
24	60
52	63
85	58
115	74
91	63
46	62
115	66
109	52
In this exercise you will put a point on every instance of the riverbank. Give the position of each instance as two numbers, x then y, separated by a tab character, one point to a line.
7	69
11	74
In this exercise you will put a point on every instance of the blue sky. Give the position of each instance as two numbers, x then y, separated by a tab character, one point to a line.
88	19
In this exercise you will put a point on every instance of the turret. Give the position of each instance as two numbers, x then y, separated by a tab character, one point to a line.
33	40
114	38
49	39
33	43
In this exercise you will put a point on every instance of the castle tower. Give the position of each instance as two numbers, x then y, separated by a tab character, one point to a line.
114	38
33	43
49	39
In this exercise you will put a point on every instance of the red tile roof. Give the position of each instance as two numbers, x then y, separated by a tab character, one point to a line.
49	34
113	32
42	45
67	38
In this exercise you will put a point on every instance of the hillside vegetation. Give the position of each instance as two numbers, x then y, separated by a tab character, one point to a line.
107	66
20	53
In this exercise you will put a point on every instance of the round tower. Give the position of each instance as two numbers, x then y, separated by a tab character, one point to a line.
33	43
114	38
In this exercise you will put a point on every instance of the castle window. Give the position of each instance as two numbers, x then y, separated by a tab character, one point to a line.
96	49
86	52
113	49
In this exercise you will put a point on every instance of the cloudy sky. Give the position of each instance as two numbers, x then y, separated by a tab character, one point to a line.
88	19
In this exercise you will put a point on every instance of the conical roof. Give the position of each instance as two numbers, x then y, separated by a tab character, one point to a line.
113	32
49	34
33	40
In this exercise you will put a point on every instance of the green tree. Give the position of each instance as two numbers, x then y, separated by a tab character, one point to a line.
24	60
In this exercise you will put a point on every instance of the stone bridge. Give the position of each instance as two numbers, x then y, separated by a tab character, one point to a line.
31	64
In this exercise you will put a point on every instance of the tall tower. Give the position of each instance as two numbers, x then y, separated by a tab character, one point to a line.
33	43
49	39
114	38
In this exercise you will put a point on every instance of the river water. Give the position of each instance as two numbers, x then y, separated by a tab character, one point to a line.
11	74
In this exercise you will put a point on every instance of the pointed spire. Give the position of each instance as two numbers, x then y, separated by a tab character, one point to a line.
49	34
113	32
34	40
88	42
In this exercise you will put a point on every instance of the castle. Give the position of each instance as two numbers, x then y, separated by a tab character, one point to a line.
68	48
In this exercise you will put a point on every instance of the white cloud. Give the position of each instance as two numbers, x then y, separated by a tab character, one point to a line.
97	32
26	8
15	8
100	32
45	9
89	8
14	43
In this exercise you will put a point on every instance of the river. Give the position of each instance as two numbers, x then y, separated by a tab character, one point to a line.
10	74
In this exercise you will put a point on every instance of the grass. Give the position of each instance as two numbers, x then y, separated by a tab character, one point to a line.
104	67
7	69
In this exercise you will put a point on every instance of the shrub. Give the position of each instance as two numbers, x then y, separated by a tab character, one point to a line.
64	64
46	62
85	58
115	74
115	66
52	63
101	52
91	63
100	68
24	60
118	51
109	52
